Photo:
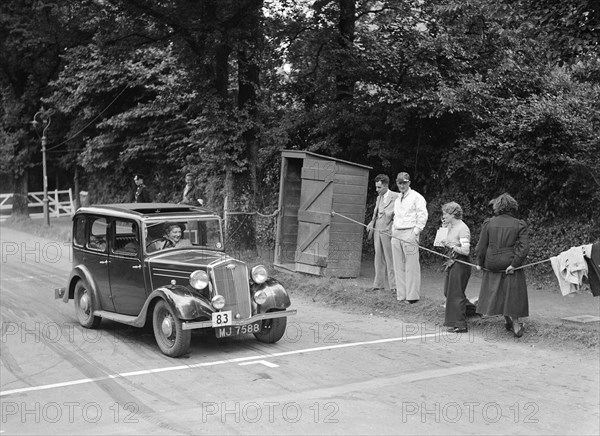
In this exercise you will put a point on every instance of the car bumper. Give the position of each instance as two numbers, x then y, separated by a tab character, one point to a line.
260	317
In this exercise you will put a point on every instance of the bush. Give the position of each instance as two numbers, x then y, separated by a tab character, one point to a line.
551	237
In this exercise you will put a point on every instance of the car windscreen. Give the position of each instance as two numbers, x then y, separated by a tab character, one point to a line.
181	233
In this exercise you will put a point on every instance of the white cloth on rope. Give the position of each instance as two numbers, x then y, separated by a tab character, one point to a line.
570	268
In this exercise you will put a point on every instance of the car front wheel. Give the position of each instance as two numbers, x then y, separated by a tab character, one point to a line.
84	307
170	336
271	330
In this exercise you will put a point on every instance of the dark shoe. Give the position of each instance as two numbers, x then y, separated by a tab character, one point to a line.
457	330
413	301
372	289
519	330
508	324
393	291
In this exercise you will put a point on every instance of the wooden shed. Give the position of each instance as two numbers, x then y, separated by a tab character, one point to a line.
309	239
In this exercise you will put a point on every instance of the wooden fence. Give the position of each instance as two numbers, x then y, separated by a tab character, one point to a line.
60	203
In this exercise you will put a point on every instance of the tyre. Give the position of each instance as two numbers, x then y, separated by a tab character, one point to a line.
272	330
84	307
170	336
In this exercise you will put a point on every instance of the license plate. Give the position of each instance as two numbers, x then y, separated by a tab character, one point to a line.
235	330
220	319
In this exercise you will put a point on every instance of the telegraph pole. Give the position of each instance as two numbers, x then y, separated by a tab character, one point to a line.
46	122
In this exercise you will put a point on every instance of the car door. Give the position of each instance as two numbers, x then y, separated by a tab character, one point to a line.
95	258
126	267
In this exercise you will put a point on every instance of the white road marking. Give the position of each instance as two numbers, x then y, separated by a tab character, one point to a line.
262	362
28	278
217	362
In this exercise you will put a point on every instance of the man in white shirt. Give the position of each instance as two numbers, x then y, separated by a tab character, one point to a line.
380	228
410	217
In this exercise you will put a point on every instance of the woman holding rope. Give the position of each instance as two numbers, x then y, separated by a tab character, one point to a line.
502	248
457	276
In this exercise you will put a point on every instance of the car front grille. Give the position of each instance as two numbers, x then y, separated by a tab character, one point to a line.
231	281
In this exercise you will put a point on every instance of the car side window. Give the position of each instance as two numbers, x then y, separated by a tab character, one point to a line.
79	231
126	238
97	238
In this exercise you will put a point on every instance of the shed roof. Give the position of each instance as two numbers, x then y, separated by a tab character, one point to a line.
300	154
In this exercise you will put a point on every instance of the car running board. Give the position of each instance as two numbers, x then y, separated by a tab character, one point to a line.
124	319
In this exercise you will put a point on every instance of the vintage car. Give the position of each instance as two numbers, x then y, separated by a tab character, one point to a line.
165	264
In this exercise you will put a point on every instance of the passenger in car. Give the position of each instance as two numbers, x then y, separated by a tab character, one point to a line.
97	243
132	246
173	238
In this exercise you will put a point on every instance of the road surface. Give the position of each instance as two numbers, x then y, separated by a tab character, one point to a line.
334	372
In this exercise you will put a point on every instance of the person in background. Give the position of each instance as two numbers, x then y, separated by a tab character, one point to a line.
503	246
458	243
380	229
191	193
410	217
141	194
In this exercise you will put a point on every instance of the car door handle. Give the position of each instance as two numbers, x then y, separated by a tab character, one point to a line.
104	262
136	267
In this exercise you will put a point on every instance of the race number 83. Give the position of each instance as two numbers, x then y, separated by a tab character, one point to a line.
220	319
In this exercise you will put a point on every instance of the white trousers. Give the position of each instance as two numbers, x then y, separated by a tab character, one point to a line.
406	264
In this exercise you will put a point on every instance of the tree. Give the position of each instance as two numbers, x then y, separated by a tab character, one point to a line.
30	46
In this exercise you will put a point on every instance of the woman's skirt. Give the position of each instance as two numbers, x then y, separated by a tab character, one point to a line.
503	294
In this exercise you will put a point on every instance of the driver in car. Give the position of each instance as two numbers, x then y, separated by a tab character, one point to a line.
173	238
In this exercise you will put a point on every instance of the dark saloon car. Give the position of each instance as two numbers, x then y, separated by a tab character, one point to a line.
164	264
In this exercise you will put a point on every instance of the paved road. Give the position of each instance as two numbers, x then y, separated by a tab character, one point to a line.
334	372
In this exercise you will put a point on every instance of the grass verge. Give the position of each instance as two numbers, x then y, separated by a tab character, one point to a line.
59	229
347	295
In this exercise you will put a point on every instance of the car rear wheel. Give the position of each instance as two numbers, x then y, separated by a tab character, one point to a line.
84	307
272	330
170	336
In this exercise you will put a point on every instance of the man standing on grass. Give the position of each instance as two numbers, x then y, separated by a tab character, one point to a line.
410	217
380	229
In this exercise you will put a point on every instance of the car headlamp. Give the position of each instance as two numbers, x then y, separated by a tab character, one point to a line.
218	302
199	279
260	297
259	274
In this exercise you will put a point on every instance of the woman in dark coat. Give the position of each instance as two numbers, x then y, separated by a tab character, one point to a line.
503	246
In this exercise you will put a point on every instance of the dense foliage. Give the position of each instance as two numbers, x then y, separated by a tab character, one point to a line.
472	97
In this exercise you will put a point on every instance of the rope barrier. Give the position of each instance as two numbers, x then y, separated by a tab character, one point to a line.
254	213
333	213
531	264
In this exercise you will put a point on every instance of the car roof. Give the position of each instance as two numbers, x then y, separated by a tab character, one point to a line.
146	210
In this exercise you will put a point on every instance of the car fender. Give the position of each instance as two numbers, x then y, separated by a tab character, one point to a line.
80	272
277	296
186	304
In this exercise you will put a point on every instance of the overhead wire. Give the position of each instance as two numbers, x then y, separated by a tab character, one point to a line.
90	123
139	138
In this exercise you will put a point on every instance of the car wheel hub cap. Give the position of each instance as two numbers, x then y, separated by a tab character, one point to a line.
167	327
85	303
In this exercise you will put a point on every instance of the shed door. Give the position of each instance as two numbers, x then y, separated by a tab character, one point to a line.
314	214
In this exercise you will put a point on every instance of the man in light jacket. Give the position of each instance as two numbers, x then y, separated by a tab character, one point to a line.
380	228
